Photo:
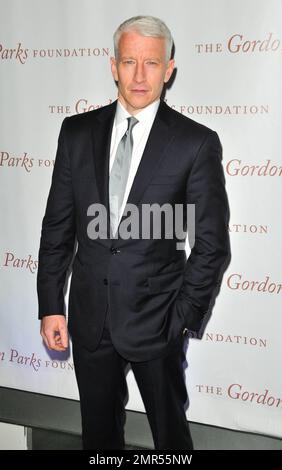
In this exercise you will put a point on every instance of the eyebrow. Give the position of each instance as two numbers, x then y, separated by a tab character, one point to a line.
148	58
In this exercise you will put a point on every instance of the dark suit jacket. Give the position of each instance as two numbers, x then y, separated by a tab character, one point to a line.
153	291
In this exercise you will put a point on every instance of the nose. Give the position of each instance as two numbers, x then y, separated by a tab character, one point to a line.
139	75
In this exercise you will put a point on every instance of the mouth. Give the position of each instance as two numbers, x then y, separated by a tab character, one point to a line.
138	91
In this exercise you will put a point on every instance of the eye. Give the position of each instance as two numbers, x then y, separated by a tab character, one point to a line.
152	62
130	62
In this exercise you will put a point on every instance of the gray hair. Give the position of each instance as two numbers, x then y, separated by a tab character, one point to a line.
149	26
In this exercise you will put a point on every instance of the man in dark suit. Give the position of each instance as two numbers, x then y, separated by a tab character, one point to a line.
132	298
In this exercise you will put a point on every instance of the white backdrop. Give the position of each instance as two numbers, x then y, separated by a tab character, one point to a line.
54	59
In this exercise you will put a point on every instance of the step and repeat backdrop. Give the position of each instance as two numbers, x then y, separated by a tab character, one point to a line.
55	62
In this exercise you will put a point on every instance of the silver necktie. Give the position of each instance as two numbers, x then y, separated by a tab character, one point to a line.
119	174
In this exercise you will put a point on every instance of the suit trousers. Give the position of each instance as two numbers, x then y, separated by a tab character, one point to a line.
102	385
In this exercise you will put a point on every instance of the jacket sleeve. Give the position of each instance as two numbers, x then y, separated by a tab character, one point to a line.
57	235
206	189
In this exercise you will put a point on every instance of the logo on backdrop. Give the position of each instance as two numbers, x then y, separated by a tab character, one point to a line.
238	282
21	54
253	229
12	261
225	338
83	105
34	362
239	43
220	110
23	161
238	392
237	167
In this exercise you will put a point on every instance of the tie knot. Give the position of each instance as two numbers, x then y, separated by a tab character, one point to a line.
132	121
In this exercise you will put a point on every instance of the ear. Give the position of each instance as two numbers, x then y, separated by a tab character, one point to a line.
169	70
114	68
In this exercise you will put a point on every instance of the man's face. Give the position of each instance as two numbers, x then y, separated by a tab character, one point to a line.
140	70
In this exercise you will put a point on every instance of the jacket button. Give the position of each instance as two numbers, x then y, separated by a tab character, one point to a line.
105	281
115	251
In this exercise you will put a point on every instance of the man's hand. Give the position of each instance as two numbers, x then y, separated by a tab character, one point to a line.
54	332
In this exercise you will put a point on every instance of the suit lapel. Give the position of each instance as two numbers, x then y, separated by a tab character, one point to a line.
160	136
158	139
102	132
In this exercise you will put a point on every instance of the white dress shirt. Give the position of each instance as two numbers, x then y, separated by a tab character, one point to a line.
140	133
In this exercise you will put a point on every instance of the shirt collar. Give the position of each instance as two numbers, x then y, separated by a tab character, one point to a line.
147	114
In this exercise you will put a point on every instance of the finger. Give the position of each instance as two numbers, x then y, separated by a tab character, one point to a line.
63	336
55	345
58	342
52	339
51	336
45	339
